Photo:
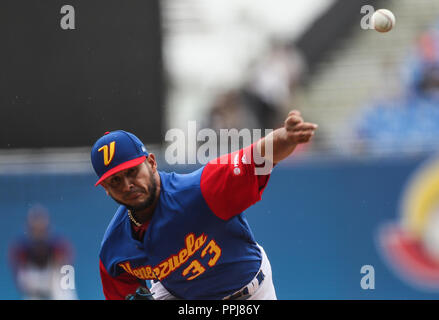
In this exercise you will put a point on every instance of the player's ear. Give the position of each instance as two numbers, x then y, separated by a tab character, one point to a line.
151	161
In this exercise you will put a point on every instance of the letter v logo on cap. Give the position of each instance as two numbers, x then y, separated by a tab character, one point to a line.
108	152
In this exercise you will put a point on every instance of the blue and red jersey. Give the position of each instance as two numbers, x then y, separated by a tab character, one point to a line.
198	243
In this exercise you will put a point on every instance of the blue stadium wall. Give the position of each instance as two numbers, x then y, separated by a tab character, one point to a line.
317	221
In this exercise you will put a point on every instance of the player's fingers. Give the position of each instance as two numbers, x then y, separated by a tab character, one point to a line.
304	126
304	140
292	121
294	112
309	135
303	136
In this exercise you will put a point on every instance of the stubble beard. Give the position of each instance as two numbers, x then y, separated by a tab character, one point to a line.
148	202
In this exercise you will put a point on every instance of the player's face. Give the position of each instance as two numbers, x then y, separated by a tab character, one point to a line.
135	187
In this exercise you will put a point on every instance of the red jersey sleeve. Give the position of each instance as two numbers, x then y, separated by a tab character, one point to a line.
117	288
229	184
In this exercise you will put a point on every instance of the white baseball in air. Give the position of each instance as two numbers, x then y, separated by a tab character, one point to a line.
383	20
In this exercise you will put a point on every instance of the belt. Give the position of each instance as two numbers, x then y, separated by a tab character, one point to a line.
248	289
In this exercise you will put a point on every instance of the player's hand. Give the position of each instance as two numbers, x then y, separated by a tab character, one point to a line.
297	130
142	293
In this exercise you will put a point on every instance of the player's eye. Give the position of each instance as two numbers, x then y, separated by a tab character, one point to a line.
115	181
132	172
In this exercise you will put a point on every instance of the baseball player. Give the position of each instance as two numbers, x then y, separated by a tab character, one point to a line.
185	235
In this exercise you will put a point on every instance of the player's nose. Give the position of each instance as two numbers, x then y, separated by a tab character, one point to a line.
126	184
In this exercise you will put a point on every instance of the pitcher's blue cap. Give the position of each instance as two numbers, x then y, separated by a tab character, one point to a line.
116	151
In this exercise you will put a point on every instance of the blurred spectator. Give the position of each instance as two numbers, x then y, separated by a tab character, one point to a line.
409	123
264	100
230	112
269	90
36	259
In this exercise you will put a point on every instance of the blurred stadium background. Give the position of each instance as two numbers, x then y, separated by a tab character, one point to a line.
364	192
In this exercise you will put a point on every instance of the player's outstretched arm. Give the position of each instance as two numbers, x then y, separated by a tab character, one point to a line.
280	143
231	184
